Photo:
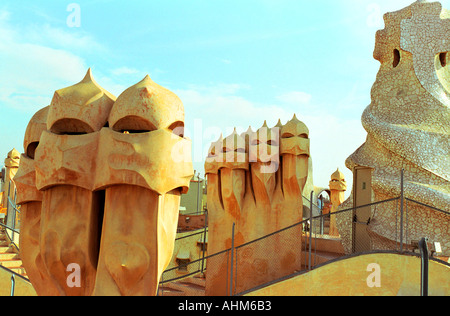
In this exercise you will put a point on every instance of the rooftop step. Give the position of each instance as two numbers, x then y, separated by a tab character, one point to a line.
324	243
6	249
9	256
20	270
14	263
168	291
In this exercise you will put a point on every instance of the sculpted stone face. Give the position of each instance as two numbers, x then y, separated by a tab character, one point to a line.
257	186
146	107
146	167
337	181
264	146
338	186
65	171
294	138
12	162
13	159
111	173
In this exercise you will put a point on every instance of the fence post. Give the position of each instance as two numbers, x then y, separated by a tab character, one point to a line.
160	286
424	267
310	227
198	191
232	252
13	284
406	223
204	240
401	208
13	222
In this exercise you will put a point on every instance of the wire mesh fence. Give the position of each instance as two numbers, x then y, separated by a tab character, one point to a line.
269	258
422	220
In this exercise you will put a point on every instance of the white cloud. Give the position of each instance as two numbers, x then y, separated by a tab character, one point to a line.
295	98
124	71
218	89
32	72
333	139
31	69
39	59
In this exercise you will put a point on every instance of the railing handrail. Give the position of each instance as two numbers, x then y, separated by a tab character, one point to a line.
15	273
429	206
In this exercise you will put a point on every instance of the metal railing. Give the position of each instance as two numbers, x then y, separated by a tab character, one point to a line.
300	241
424	266
11	227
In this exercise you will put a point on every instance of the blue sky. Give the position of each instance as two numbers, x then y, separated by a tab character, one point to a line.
232	63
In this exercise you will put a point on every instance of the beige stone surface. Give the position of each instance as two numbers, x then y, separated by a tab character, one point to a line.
154	169
255	180
65	169
399	275
35	127
408	122
136	247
